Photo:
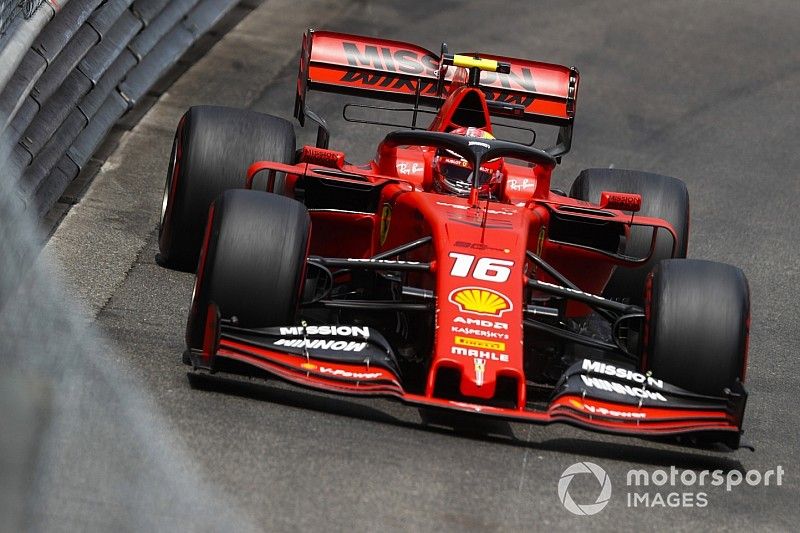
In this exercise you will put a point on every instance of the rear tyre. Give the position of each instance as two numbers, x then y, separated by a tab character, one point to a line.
697	322
662	197
252	262
212	150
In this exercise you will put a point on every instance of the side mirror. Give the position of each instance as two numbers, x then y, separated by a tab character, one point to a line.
322	157
621	201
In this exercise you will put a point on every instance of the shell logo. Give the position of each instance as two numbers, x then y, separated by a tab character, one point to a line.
480	301
308	366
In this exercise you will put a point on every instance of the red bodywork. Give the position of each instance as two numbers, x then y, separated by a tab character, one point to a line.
479	266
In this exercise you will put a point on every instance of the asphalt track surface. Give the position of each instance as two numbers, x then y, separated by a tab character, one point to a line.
705	91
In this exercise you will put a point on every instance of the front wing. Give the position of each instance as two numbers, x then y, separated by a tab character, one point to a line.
590	395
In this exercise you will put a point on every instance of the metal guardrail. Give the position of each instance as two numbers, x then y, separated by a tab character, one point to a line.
90	64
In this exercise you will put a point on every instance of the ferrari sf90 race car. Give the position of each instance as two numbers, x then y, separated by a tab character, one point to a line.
446	273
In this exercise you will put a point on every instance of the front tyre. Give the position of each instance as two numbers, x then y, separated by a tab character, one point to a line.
252	262
697	325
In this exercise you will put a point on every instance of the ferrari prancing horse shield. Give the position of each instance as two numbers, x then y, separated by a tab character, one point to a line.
386	218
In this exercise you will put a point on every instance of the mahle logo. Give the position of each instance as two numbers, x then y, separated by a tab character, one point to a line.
602	498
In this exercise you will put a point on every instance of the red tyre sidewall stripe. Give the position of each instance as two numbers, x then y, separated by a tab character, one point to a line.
201	265
746	357
648	313
175	178
304	268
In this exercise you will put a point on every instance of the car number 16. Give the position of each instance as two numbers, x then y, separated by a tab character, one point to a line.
486	268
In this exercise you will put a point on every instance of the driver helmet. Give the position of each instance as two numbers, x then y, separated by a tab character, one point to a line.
452	174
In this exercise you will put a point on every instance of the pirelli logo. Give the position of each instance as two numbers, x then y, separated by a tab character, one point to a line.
480	343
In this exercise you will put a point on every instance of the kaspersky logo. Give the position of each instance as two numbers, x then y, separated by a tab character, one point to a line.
480	301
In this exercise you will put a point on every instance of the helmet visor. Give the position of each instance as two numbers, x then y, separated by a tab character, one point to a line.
459	175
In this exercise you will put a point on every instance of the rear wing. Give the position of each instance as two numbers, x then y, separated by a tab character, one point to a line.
392	70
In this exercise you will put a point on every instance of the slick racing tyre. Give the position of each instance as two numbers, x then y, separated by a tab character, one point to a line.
252	261
696	326
212	150
662	197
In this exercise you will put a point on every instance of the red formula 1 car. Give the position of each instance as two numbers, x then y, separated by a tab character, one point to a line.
446	273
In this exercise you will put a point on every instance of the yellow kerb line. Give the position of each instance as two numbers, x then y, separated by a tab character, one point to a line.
469	62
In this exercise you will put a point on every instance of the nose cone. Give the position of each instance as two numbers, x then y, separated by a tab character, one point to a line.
480	290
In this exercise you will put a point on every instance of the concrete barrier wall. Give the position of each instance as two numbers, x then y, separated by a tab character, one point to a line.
73	68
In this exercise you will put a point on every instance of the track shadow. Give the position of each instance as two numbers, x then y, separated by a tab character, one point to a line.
467	425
